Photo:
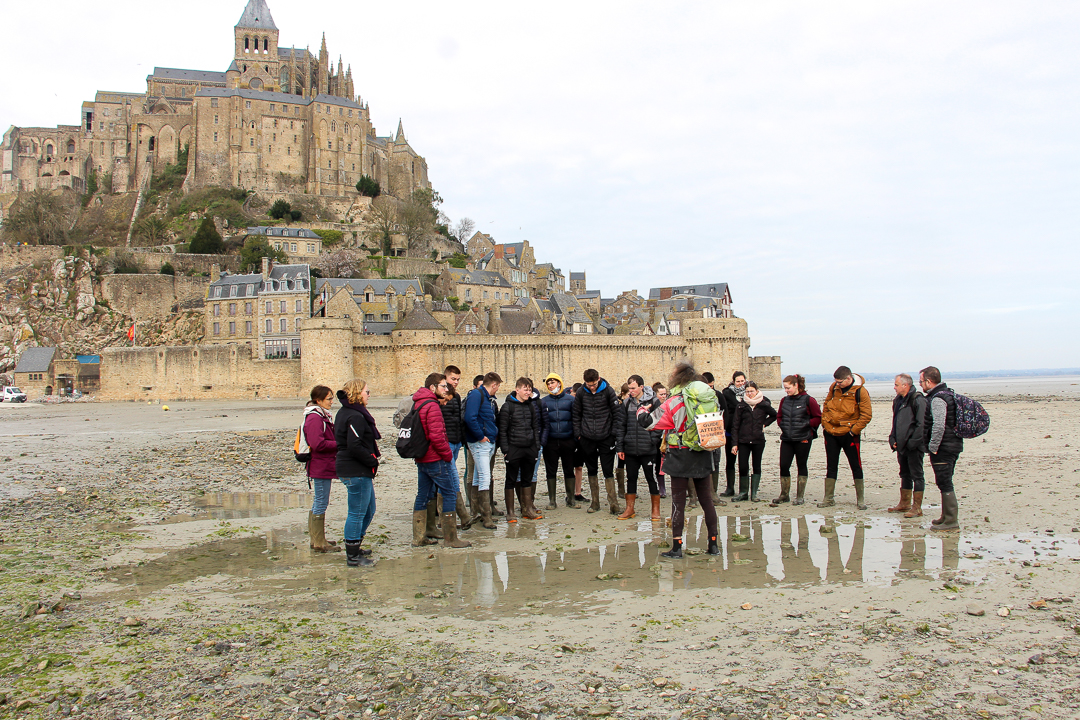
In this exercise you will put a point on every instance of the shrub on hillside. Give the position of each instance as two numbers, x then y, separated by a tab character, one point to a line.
368	187
207	240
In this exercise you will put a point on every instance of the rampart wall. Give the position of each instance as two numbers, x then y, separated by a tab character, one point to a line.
17	256
153	296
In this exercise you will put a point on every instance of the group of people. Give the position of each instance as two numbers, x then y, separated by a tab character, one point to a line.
593	428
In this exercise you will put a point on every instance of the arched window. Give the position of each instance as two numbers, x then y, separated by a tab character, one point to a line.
71	147
151	145
247	40
266	44
285	78
333	126
48	149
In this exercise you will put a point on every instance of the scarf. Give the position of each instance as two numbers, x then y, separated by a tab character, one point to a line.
739	391
362	409
753	401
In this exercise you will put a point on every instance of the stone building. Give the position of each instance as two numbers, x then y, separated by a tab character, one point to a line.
513	261
476	287
34	371
374	307
260	310
300	245
276	120
710	295
577	283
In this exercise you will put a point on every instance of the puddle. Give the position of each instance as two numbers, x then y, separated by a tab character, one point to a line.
760	552
228	506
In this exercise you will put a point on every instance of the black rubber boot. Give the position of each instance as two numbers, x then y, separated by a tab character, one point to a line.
714	547
353	558
675	551
553	499
571	501
744	489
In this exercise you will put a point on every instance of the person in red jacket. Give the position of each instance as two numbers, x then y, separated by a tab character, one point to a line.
433	469
319	434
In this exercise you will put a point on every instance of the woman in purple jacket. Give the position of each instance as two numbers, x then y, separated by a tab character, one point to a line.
319	433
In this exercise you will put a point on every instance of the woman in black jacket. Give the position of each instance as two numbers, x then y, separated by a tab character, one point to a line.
357	463
748	422
520	428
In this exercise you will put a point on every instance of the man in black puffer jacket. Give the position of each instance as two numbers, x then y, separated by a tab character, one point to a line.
638	446
599	424
520	429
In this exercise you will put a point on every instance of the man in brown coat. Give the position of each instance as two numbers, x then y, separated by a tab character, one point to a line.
843	416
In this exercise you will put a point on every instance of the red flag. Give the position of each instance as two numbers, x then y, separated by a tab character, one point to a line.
131	332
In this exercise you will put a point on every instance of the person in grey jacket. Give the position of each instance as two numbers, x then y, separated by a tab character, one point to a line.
942	442
638	446
906	440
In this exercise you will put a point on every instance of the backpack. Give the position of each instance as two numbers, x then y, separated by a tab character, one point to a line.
412	441
972	420
704	429
301	449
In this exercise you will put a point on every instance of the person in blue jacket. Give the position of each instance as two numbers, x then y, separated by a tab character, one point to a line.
558	441
481	432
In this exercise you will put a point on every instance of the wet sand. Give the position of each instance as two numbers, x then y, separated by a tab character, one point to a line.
192	523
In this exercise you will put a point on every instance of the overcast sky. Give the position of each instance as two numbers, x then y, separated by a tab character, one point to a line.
884	185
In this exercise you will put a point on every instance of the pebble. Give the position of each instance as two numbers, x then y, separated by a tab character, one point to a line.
823	701
996	700
660	682
975	610
1003	611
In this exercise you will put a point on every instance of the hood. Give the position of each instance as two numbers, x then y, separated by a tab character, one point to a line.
344	400
647	396
316	408
512	397
423	394
555	376
599	388
857	381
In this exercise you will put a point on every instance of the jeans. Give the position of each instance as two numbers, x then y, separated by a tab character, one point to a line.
850	445
322	496
455	448
536	467
361	507
435	477
482	453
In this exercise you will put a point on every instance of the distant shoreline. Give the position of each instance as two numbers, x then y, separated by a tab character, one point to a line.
957	374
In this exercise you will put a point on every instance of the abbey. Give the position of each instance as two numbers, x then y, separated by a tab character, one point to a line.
278	120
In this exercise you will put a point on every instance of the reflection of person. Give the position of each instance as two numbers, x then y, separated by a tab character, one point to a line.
906	440
319	434
845	413
684	465
748	424
798	418
357	463
942	442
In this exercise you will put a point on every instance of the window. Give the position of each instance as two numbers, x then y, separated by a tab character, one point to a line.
299	306
217	308
497	295
293	247
247	308
105	112
277	246
247	104
213	102
297	323
271	107
269	326
247	327
217	328
485	294
215	119
284	324
369	317
232	308
215	137
269	307
385	317
468	293
282	307
232	328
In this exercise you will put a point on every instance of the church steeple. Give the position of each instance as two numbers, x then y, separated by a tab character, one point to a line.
257	16
400	133
256	50
324	68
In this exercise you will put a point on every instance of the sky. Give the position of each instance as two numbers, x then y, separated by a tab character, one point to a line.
883	185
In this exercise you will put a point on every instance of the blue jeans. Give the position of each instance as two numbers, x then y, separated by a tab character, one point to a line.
482	452
455	448
361	507
322	496
432	477
536	466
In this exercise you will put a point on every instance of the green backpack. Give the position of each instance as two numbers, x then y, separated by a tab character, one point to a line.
697	399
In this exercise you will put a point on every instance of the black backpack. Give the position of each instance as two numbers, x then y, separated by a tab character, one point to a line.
412	441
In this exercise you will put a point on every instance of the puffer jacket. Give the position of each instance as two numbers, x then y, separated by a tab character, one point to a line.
597	414
451	415
358	451
798	417
941	438
909	414
748	423
636	440
434	429
848	410
479	417
678	461
558	415
520	427
319	433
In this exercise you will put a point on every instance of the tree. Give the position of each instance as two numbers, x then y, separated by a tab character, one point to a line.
368	187
458	260
464	229
280	209
382	220
343	263
417	217
152	228
207	240
38	218
255	249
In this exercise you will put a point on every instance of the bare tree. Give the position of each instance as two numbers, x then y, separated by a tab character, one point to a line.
416	219
382	221
464	229
39	218
343	263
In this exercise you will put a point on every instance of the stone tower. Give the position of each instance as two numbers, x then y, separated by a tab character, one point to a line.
256	48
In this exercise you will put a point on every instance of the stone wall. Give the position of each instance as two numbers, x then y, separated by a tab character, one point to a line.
402	267
765	371
182	262
16	256
153	296
201	372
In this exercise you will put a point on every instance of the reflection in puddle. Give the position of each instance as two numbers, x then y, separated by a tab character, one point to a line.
238	505
755	552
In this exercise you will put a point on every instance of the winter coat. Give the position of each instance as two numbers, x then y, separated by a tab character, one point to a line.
798	417
479	417
908	416
520	427
678	461
451	414
748	423
434	429
597	414
358	452
319	433
940	436
558	416
727	401
846	410
636	440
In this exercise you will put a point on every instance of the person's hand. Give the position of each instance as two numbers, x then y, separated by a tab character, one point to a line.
485	439
641	410
734	449
622	456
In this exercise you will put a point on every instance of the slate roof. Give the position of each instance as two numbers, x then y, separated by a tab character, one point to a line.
283	278
282	232
479	277
419	319
378	328
577	275
240	282
379	286
257	15
589	294
35	359
194	75
570	307
715	290
255	95
515	321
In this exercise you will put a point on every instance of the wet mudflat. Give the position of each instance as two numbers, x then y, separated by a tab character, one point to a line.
172	578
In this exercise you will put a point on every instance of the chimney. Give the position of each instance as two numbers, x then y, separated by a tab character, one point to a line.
494	319
215	273
427	303
498	252
266	268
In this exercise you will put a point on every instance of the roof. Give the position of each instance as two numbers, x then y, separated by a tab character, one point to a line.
254	95
35	359
247	285
419	319
281	232
257	15
378	327
88	359
479	277
577	275
515	321
589	294
715	290
378	286
569	306
193	75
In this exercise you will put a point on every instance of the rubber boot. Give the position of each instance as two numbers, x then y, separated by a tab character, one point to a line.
620	477
463	512
419	523
860	494
916	506
613	499
495	511
571	502
363	552
474	499
729	491
553	499
905	502
353	556
311	530
714	547
675	551
949	512
755	483
655	508
450	533
785	491
800	490
744	489
631	500
830	489
318	535
508	496
594	490
528	509
430	529
484	499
